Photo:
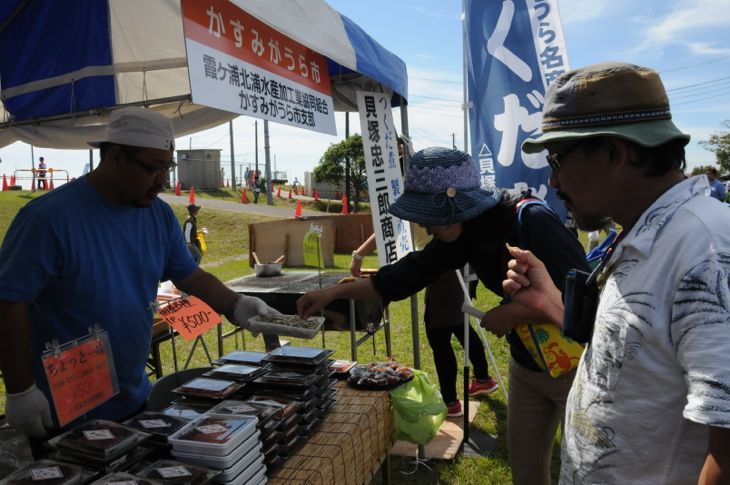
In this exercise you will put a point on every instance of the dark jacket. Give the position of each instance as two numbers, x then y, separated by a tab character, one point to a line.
482	245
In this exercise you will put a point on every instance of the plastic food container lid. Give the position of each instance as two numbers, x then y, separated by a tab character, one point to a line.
214	434
242	357
122	478
46	472
246	452
172	471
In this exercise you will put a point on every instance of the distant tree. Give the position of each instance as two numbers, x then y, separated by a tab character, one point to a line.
719	144
702	169
331	168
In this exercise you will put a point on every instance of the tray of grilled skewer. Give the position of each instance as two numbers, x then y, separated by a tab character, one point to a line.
379	375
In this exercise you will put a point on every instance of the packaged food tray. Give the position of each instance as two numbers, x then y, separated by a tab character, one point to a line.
289	325
246	452
213	434
298	355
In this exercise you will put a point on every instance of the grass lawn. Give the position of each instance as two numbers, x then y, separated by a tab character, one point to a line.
226	258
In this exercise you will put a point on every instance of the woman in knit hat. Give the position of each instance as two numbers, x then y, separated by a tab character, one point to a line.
471	224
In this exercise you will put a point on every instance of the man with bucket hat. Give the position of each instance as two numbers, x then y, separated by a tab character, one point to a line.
471	224
651	400
93	252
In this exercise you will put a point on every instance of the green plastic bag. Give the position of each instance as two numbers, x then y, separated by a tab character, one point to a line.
419	409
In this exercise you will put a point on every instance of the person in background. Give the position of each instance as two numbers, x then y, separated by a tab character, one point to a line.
93	252
717	188
41	174
443	319
651	399
256	186
190	233
471	224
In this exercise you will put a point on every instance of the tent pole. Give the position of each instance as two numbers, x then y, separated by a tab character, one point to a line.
347	159
233	167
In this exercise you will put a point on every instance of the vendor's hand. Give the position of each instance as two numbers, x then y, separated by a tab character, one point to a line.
310	303
528	282
29	412
355	267
248	307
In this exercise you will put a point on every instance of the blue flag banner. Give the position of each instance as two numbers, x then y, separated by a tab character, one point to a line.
515	50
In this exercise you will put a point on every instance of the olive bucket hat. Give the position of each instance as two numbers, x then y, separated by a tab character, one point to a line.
441	187
610	99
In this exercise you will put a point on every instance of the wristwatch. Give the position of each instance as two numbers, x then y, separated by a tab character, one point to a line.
356	256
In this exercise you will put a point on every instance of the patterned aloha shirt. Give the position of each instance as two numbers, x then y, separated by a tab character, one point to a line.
657	372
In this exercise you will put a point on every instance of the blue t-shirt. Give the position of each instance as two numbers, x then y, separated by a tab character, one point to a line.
79	261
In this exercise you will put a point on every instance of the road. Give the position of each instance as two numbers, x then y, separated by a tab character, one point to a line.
260	209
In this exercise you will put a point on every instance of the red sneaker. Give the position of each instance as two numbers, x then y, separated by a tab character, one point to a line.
487	386
454	410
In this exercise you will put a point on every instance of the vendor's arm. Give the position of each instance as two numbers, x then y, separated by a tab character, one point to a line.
14	346
314	301
717	463
237	308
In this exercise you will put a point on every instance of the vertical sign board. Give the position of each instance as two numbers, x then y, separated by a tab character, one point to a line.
385	181
239	64
516	49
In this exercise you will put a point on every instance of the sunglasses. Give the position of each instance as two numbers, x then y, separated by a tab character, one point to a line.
152	171
554	159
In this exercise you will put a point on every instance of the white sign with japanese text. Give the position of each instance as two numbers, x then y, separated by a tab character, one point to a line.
239	64
385	181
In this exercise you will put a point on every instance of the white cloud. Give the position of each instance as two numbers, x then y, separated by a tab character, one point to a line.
577	11
704	48
687	20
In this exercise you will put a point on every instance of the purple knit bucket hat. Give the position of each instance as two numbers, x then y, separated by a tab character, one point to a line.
442	187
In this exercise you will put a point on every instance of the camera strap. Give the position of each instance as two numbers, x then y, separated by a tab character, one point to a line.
600	274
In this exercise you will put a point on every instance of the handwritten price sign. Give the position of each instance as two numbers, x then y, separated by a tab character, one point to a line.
80	378
189	316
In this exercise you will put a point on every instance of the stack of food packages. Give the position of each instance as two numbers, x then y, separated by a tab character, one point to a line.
234	424
288	391
229	443
101	446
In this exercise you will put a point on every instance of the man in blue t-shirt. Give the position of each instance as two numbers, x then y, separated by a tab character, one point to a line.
93	253
716	188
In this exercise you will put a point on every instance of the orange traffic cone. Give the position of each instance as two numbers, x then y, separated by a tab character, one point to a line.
345	205
12	180
290	193
278	192
178	188
303	192
316	196
244	196
298	210
49	185
5	183
191	197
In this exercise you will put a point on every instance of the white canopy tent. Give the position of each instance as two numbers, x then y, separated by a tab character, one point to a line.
64	66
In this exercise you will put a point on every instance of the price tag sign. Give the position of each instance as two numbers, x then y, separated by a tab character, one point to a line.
313	254
190	316
81	376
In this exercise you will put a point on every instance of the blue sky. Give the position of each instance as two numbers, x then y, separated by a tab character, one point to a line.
687	41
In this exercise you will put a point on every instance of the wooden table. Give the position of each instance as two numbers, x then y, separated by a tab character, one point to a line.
350	446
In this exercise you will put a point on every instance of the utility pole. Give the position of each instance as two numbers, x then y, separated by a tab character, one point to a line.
453	140
256	146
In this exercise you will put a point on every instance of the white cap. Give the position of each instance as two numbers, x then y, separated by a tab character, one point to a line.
139	127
